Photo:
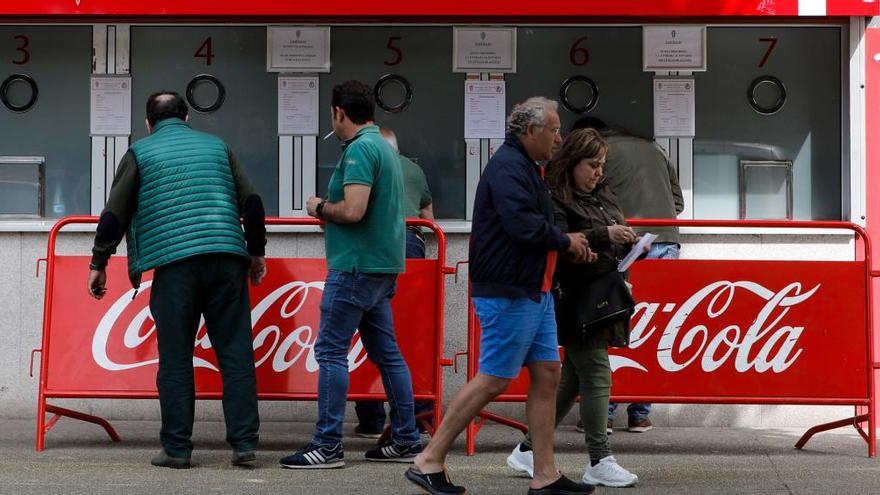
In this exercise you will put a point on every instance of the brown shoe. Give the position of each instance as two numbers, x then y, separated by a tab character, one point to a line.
640	425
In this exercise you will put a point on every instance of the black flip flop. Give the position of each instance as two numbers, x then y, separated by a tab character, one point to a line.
563	486
434	483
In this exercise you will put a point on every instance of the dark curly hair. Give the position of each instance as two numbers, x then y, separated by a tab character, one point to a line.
578	145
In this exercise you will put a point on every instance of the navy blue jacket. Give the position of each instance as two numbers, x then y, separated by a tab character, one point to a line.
512	229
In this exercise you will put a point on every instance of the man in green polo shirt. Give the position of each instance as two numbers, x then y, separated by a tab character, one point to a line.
364	238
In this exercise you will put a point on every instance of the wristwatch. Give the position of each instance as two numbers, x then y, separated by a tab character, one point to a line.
319	210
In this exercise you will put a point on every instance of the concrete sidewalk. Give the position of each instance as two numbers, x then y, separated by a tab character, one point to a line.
80	459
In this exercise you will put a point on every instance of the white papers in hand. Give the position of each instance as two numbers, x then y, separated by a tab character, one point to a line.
635	252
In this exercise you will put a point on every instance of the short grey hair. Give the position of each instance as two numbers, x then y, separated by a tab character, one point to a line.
528	113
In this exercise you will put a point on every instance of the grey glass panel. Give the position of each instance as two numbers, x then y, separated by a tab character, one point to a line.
21	187
431	129
544	62
765	190
57	126
807	130
163	58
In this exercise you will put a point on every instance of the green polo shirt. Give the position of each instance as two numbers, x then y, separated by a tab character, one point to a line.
415	187
376	244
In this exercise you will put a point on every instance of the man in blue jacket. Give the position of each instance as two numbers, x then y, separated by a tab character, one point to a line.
514	244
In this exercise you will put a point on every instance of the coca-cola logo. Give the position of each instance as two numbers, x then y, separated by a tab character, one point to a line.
285	327
764	344
742	326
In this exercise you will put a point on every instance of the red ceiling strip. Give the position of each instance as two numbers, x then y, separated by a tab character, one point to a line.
417	11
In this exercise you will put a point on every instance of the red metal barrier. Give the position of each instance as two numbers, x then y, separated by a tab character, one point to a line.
739	332
107	349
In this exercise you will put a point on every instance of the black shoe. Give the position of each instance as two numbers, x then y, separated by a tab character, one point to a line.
434	483
394	452
162	459
563	486
243	458
316	457
364	432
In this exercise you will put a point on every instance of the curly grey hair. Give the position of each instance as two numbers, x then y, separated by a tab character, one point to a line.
528	113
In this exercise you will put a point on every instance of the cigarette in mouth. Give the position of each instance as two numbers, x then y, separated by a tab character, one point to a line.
328	135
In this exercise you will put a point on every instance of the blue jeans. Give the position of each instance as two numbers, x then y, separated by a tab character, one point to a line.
659	250
360	301
371	414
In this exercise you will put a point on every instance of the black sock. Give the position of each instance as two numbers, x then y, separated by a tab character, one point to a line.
593	462
523	448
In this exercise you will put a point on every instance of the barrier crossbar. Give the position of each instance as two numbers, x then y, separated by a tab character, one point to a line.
106	349
777	360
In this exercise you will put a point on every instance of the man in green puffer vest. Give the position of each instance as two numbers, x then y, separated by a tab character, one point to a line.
178	197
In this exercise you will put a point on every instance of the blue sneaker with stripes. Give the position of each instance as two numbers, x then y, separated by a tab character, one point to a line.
316	457
392	451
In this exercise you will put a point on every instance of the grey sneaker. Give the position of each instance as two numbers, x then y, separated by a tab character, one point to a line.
243	458
162	459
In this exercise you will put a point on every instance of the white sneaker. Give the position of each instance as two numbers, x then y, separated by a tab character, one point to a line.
609	473
522	461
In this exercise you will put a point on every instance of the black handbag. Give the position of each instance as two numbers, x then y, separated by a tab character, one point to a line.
598	303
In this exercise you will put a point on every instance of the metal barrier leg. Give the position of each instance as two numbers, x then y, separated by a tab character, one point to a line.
854	421
470	441
43	427
41	423
476	425
426	420
504	420
872	431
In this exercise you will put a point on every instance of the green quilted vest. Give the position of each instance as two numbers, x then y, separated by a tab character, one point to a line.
187	203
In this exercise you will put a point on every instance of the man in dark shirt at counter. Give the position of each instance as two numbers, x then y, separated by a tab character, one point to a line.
178	197
417	203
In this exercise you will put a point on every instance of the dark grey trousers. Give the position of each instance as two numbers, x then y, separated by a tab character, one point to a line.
215	286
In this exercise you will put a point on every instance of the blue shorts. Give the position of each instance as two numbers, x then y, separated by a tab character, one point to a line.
515	332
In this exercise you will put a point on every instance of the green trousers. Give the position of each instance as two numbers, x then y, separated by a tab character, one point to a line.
586	372
214	286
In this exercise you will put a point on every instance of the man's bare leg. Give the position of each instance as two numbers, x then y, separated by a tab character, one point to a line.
541	414
466	404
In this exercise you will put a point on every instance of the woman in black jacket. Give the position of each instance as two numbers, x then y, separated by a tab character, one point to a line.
583	204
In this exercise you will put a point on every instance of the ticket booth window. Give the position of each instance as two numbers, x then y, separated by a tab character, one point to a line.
770	94
44	112
420	99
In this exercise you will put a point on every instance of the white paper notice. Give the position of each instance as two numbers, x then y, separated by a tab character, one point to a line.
484	105
298	49
110	111
484	49
674	48
297	106
637	250
674	107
